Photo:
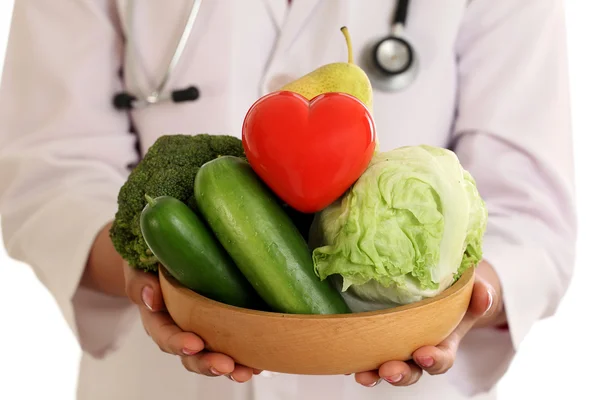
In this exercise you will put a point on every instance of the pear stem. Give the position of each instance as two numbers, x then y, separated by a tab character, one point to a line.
348	43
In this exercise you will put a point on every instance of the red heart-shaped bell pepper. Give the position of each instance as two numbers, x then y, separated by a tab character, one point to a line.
308	152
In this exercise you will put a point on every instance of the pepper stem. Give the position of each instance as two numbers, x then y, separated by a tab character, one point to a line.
150	200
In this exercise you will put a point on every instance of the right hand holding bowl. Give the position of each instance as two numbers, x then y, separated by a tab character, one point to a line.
144	290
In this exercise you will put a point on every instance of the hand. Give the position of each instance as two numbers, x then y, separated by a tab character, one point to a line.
485	309
144	290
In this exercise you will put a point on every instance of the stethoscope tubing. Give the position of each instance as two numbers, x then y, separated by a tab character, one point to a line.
382	77
158	95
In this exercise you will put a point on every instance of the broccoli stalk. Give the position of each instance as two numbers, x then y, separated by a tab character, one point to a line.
168	168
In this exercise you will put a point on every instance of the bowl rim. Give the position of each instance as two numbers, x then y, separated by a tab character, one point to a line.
465	280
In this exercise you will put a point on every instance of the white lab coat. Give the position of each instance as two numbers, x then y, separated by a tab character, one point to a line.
492	84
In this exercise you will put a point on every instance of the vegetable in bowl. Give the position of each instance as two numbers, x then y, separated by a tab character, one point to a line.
167	169
405	231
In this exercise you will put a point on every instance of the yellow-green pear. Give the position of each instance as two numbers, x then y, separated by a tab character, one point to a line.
344	77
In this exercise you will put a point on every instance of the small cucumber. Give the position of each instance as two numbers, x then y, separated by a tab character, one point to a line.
190	252
262	239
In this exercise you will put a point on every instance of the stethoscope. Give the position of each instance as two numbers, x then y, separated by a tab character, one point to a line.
127	101
391	63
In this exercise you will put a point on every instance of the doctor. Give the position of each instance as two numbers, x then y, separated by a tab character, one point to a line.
79	105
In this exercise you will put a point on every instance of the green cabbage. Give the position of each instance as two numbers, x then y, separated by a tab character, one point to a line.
406	230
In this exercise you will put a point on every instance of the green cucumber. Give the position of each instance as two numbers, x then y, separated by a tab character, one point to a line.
262	239
191	253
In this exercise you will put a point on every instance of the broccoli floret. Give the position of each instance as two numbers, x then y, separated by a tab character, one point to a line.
168	168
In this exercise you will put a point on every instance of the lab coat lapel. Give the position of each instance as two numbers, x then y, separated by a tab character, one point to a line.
292	24
299	12
290	19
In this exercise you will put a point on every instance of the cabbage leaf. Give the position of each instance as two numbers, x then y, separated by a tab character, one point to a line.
406	230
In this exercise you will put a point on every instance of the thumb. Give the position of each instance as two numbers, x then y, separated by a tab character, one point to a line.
483	298
482	304
143	288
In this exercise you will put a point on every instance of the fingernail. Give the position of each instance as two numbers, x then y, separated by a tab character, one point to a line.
394	378
490	301
215	372
231	377
426	362
189	352
374	383
147	295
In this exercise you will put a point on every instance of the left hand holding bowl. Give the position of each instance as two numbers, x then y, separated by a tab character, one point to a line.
485	310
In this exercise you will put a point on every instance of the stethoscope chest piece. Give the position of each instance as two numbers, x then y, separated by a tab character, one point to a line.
393	63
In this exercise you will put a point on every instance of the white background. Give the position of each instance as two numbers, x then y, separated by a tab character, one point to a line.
38	356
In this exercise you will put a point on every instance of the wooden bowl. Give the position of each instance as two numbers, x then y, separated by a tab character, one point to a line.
317	344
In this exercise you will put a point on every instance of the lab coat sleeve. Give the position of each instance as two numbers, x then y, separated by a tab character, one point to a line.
64	154
513	134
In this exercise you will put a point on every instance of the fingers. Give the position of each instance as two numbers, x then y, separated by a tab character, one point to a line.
396	373
143	288
439	359
436	360
399	373
217	364
209	364
171	339
168	336
367	378
241	373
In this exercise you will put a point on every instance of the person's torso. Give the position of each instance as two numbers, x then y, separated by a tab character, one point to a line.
238	51
138	370
241	50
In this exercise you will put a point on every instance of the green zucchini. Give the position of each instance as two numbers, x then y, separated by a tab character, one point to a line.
262	239
191	253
